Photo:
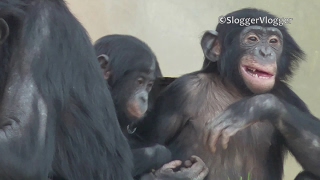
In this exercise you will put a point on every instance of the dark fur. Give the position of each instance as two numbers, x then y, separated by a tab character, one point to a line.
227	68
306	176
182	110
82	125
127	54
129	57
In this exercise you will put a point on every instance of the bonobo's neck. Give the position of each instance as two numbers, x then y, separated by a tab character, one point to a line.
229	84
124	121
236	85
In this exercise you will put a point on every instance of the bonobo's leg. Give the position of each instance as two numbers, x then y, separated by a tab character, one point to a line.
150	157
299	129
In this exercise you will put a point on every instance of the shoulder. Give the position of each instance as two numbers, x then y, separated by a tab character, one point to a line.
189	83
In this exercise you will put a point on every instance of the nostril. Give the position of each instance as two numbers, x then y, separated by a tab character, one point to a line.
143	99
262	52
265	52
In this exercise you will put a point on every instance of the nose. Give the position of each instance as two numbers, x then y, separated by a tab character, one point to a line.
265	51
143	99
143	96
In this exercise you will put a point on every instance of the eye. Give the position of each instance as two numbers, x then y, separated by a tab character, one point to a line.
253	38
150	84
273	40
140	81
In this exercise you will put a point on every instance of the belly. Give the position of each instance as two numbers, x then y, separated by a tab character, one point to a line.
246	155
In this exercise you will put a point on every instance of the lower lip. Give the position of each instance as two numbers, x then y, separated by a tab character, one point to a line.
255	75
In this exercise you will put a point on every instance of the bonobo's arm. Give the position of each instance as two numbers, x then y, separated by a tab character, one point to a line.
26	135
299	128
306	176
148	158
169	114
302	136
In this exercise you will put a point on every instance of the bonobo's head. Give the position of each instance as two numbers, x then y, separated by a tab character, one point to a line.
130	68
251	50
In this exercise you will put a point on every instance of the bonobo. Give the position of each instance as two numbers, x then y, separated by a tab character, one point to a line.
130	68
51	118
240	62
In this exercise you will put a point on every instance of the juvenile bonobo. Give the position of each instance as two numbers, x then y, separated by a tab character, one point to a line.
240	61
130	68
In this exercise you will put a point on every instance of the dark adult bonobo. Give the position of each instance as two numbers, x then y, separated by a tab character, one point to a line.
239	62
51	117
130	68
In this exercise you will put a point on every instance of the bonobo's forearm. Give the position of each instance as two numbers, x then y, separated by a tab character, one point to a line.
26	142
301	132
305	175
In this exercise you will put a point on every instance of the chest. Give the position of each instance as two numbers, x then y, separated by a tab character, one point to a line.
247	151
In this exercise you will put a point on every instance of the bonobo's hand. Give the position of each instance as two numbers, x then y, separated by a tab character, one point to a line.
193	169
239	116
147	158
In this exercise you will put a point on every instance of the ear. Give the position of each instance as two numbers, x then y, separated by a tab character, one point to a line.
104	64
210	45
4	31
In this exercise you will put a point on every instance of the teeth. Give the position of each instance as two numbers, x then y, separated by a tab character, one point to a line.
261	77
256	75
252	69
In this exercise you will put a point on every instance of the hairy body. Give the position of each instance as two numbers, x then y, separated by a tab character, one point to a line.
245	153
202	113
52	120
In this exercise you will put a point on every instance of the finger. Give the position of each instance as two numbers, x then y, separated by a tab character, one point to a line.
213	139
172	164
203	174
188	163
195	159
225	141
209	126
206	135
197	167
226	134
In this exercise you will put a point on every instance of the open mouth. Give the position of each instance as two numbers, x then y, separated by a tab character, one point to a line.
258	73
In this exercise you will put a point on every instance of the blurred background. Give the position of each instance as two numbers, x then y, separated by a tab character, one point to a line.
172	28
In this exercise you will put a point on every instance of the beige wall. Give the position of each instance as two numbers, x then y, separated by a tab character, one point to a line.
173	28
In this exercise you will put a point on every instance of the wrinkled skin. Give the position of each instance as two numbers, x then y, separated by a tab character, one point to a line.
193	169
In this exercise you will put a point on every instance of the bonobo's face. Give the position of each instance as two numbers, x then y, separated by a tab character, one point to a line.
137	91
130	92
262	47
